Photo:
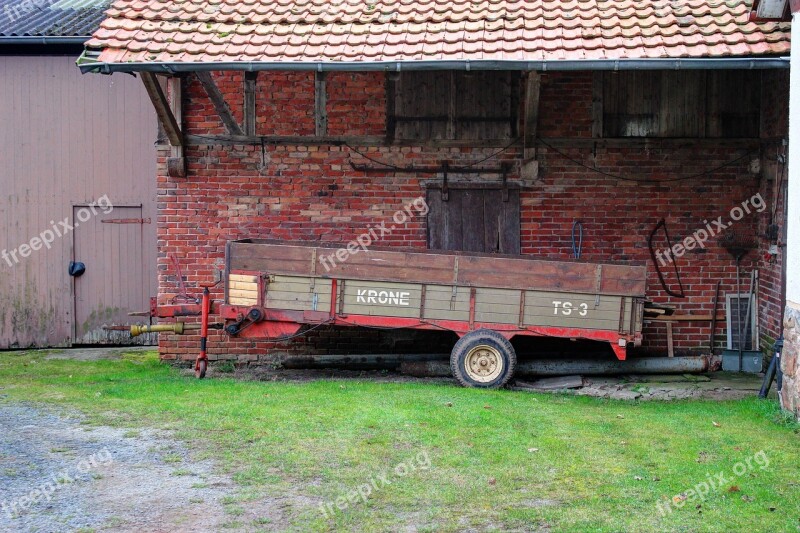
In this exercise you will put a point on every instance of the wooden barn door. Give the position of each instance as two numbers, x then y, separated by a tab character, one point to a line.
474	219
115	281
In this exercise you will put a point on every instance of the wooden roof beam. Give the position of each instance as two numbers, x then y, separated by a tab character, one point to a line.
163	109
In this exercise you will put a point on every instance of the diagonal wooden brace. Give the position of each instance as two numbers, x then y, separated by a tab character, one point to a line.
221	106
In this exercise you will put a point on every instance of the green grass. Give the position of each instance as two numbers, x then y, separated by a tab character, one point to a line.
498	459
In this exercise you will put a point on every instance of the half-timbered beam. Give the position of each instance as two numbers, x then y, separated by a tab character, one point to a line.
530	166
597	105
250	103
320	104
162	107
220	105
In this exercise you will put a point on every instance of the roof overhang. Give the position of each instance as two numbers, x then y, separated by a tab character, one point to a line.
46	40
88	63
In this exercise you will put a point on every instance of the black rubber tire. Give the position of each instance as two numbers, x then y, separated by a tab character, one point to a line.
476	338
200	368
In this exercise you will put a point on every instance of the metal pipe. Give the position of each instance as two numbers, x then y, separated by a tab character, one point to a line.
178	328
586	367
88	64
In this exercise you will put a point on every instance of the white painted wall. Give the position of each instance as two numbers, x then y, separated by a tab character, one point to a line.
793	206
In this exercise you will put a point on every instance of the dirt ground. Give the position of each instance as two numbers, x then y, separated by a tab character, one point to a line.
58	474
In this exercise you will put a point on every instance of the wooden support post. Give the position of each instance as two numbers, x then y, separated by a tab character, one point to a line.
451	107
176	163
670	345
221	106
597	105
320	104
530	166
391	96
163	108
250	103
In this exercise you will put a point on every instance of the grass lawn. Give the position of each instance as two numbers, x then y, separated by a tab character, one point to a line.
445	458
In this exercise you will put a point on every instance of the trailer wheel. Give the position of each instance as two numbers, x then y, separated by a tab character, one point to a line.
200	368
483	359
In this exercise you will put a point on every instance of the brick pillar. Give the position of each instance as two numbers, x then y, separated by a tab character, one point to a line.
790	393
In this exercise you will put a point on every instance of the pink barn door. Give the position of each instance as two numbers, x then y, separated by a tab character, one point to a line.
114	283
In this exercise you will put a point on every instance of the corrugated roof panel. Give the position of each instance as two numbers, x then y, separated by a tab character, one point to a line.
45	18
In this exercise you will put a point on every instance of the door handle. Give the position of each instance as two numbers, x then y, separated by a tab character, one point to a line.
76	269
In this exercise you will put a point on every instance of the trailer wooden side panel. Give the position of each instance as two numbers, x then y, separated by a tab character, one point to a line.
437	268
440	302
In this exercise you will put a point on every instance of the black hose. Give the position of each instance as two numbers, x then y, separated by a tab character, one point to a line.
768	377
577	248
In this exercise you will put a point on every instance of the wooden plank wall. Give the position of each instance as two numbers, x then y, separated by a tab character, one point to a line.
713	104
455	105
65	139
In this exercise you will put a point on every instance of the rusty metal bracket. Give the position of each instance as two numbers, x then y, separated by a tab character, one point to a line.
126	221
253	316
183	294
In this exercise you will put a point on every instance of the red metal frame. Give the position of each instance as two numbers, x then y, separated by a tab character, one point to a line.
280	322
202	358
178	310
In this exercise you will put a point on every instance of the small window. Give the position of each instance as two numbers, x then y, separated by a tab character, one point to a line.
450	105
688	104
474	218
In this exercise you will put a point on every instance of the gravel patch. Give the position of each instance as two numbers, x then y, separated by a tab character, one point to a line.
58	474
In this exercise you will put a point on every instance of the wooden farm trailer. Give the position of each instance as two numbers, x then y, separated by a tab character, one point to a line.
274	289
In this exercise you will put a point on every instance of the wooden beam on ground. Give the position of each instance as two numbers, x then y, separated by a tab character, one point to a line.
250	103
530	166
320	104
685	318
220	105
163	109
557	383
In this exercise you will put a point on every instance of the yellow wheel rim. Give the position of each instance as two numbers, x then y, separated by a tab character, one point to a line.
484	364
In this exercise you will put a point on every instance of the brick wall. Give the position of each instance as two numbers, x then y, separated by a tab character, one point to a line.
312	193
775	126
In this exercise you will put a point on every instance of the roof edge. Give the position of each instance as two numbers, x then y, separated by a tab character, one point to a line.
88	63
33	39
